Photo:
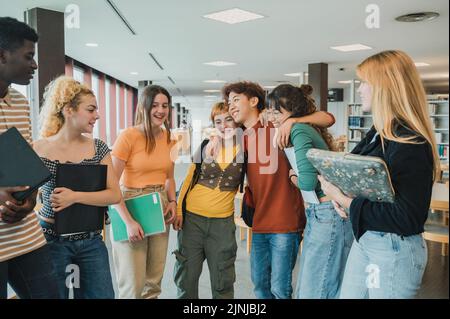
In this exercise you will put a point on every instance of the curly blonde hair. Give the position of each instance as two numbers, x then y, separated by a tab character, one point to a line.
62	91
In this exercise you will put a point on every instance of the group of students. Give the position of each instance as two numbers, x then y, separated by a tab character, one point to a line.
342	236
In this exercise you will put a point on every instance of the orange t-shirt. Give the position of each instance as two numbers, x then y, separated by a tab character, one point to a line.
141	168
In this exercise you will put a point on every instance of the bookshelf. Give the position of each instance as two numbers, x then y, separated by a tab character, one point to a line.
439	115
358	124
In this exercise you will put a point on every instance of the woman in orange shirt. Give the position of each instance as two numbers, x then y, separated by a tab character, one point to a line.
142	158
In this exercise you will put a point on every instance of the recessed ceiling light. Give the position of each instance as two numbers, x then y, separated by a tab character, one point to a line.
211	91
220	63
419	64
293	74
233	16
214	81
348	81
269	86
93	45
351	47
134	73
210	96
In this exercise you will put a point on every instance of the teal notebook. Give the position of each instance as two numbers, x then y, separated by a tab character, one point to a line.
146	209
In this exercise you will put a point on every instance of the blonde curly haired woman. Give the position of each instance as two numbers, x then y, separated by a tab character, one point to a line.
70	111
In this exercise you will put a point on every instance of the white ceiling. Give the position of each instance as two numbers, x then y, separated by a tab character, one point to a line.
293	34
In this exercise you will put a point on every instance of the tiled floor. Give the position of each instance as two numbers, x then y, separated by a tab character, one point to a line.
435	283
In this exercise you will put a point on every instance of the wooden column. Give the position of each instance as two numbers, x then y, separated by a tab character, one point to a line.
318	79
50	51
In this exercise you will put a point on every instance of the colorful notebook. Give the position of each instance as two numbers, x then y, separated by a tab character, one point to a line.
146	209
355	175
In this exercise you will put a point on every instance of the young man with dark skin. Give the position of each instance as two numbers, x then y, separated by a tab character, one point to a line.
24	257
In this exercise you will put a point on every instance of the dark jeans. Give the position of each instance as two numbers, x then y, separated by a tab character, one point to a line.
82	265
32	276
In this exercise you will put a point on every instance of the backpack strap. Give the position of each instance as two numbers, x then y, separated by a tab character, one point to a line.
244	171
198	169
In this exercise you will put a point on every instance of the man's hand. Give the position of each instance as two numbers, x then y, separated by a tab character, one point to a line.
11	210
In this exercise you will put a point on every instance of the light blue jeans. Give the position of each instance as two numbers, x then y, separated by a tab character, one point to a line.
326	245
384	265
272	260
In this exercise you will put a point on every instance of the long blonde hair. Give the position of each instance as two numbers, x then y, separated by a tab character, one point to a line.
62	91
398	96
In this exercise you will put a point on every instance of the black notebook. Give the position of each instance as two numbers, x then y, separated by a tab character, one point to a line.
80	178
20	165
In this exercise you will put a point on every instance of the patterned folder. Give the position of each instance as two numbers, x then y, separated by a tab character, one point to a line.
355	175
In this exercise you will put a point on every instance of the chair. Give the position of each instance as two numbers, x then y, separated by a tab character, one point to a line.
439	234
437	231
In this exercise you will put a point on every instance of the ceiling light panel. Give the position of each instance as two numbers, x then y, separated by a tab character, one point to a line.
351	47
233	16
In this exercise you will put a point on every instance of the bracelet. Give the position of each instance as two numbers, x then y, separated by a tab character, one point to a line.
173	200
290	176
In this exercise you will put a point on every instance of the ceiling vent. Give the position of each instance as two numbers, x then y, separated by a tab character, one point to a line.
418	17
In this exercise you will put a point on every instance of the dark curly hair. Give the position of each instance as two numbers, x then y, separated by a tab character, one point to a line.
13	33
299	102
249	89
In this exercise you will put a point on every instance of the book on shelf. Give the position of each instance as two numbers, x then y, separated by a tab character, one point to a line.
355	136
433	122
355	110
443	151
356	122
432	108
438	137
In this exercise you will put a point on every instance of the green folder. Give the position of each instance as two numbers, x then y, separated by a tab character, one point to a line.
146	210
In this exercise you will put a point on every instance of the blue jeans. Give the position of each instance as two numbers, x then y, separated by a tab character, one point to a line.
32	276
272	260
85	264
384	265
326	245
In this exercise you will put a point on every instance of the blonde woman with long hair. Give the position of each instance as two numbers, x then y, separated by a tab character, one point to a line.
389	255
143	157
68	113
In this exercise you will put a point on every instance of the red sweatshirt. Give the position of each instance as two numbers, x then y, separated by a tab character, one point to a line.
278	203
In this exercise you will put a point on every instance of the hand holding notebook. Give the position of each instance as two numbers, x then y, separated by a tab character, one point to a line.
81	178
146	209
355	175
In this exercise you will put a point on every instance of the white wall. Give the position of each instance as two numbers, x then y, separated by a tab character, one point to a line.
200	110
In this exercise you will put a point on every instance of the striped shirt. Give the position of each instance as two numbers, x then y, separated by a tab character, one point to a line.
26	235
